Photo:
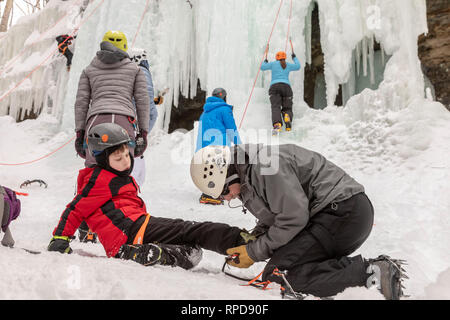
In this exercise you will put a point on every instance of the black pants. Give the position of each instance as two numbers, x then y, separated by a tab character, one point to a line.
213	236
317	259
281	100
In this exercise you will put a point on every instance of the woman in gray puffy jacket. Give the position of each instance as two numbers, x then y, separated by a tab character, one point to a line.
106	91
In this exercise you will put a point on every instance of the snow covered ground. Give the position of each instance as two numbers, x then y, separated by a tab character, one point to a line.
402	158
391	140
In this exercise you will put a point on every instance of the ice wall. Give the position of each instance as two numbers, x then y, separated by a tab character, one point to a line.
219	43
32	79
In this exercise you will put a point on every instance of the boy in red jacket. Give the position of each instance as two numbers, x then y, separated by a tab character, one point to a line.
107	200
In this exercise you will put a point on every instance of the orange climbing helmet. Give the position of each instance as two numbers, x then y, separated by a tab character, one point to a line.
281	55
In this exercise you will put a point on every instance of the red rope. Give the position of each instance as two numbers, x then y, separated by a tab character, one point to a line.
43	157
262	60
289	28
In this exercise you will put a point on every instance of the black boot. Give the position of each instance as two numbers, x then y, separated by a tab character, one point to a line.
85	234
387	274
149	254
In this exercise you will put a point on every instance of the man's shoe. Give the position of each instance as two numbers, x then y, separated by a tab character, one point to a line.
387	274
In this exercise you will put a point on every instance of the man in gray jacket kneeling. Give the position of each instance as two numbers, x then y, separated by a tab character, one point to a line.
311	217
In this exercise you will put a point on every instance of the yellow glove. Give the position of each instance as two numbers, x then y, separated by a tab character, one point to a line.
242	260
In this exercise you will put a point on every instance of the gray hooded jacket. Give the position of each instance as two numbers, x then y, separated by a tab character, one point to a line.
108	85
283	186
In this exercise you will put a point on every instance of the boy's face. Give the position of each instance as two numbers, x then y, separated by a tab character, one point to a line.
120	159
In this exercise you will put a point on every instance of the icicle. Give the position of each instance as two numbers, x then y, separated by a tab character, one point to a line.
364	55
371	60
358	58
383	61
308	30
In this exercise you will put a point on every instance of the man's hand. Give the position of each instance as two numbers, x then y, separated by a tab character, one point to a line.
241	260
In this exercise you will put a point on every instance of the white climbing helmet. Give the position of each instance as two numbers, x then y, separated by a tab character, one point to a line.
209	169
137	55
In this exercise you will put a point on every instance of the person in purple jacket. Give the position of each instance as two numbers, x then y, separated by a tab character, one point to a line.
280	91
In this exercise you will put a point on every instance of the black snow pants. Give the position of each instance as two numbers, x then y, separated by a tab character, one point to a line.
317	259
281	100
213	236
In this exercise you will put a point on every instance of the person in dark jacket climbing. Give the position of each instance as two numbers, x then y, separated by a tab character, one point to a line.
107	200
64	41
280	90
311	216
216	127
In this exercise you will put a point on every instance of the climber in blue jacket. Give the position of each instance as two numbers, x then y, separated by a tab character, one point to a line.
280	91
216	127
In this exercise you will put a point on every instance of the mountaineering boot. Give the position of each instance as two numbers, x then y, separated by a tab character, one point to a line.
276	128
149	254
387	274
287	122
205	199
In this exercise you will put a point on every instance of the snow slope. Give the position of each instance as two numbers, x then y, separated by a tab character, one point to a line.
391	140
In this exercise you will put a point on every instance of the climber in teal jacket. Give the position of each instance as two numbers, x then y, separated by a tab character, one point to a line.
280	91
216	124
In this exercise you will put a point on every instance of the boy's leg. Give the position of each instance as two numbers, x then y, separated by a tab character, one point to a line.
316	259
217	237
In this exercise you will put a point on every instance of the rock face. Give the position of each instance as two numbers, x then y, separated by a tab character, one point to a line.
434	49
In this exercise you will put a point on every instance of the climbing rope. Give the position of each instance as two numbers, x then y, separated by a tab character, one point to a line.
140	23
289	28
40	158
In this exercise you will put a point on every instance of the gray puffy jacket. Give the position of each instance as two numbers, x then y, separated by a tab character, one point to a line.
108	85
283	186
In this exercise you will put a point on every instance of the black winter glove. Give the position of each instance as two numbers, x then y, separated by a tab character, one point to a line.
79	144
266	61
60	244
293	55
141	143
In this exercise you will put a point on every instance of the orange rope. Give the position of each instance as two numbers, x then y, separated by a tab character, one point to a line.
43	157
262	60
289	28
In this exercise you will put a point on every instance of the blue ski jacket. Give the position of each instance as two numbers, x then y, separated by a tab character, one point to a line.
278	73
217	125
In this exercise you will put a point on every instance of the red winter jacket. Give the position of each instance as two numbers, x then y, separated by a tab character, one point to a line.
108	203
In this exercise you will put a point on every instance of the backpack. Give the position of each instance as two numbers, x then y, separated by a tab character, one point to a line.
11	206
